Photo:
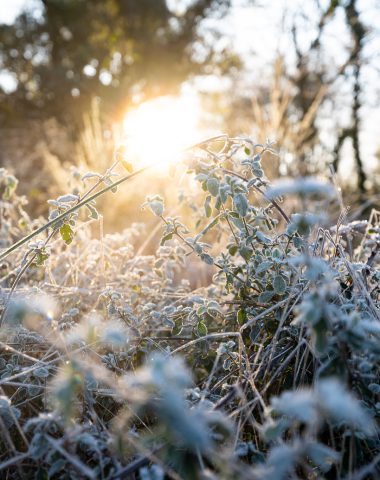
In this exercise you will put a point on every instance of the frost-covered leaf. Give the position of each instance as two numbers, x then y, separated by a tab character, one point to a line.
154	472
262	238
68	198
157	207
56	467
90	175
93	212
279	285
156	204
303	223
41	372
8	413
241	204
114	333
308	186
224	192
39	446
266	296
375	388
263	267
342	407
210	225
207	259
322	456
299	404
213	186
281	460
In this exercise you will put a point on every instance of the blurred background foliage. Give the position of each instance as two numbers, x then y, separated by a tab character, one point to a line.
71	69
80	49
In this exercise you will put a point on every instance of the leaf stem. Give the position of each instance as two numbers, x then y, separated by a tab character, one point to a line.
73	209
86	200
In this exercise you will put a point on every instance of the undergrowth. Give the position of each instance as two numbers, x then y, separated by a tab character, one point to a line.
112	367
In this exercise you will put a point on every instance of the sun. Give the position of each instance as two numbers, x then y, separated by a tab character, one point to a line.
157	131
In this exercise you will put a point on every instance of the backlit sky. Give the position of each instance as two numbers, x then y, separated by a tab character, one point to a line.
255	33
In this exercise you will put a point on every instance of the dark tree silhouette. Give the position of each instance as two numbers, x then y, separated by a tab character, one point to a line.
111	48
358	34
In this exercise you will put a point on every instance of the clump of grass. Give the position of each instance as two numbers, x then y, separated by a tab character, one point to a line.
113	367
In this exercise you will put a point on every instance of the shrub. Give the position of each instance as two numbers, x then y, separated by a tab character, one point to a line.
279	370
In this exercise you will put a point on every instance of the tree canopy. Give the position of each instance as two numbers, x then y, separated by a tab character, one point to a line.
77	49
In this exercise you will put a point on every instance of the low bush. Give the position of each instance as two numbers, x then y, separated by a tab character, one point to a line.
113	367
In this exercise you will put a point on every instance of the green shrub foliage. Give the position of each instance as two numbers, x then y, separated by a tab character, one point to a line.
113	366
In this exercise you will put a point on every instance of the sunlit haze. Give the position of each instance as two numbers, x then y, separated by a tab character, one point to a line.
190	239
158	130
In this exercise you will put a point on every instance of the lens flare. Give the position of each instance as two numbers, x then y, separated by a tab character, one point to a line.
158	130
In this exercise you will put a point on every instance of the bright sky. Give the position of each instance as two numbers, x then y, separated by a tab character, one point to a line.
258	30
9	9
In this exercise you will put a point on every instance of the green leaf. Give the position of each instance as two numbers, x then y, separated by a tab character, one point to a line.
41	372
241	204
262	238
213	186
40	259
207	258
201	310
233	249
93	212
210	225
208	209
56	467
272	430
178	326
320	337
279	285
165	238
266	296
67	233
41	474
263	267
201	329
224	191
10	186
241	316
297	242
246	252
